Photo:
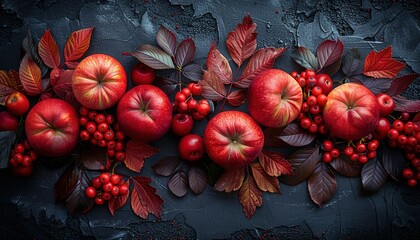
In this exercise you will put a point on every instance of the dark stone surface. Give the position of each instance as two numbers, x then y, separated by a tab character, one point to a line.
28	210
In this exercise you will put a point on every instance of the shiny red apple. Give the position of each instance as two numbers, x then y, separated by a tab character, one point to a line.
191	147
52	127
8	122
182	124
386	103
275	98
233	139
17	104
99	81
145	113
351	112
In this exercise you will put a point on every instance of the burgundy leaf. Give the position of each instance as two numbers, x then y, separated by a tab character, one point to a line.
213	88
262	59
344	166
328	52
274	164
265	182
250	197
9	83
167	84
271	137
62	87
376	86
153	57
193	71
166	166
231	180
333	68
242	42
185	52
166	40
76	45
381	65
393	161
373	175
137	206
322	184
197	179
218	65
402	104
351	62
295	136
144	199
30	76
66	182
7	141
305	58
237	97
303	163
116	203
93	158
48	50
136	152
77	201
178	183
400	84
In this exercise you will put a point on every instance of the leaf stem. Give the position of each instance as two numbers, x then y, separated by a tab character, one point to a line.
230	89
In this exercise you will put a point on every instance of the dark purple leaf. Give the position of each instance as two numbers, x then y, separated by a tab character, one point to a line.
328	52
295	136
7	140
344	166
185	52
305	58
351	62
166	40
193	71
167	84
271	137
373	175
197	179
66	182
77	201
93	158
303	163
393	161
237	97
375	85
166	166
400	84
322	184
178	183
403	104
333	68
153	57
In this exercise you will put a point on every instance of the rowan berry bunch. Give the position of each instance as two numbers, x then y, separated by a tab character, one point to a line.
185	102
102	130
105	187
21	159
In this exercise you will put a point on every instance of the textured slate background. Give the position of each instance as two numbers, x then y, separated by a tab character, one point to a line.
27	205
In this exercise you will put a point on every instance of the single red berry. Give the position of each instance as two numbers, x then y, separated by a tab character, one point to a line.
305	123
99	200
19	148
361	148
348	151
99	118
123	190
186	91
373	145
110	153
90	192
92	114
105	177
203	108
313	128
107	187
110	144
120	156
305	107
412	141
119	146
103	127
195	88
318	119
314	109
98	135
83	120
393	134
328	145
335	153
192	104
302	81
311	81
84	135
316	91
18	158
408	173
415	162
96	182
91	127
183	107
294	74
115	179
180	97
310	73
322	129
26	161
115	190
312	101
354	157
402	139
326	157
110	119
412	182
120	135
102	143
371	154
409	128
303	74
33	155
83	111
321	100
405	116
398	125
106	196
363	159
109	135
93	141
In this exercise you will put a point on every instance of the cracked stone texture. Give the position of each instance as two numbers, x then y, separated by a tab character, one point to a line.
28	210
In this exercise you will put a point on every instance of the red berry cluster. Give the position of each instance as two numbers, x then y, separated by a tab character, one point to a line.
106	186
185	102
21	159
101	129
315	88
362	152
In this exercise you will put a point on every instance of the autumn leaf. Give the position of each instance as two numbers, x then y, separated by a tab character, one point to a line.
231	180
197	179
242	42
373	175
305	58
62	87
274	164
30	76
185	52
265	182
328	52
271	138
166	39
116	203
167	84
66	182
77	201
303	163
93	158
48	50
193	72
322	184
262	59
178	183
213	89
344	166
403	104
250	197
9	83
374	85
237	97
351	62
136	152
218	65
144	199
153	57
166	166
400	84
381	65
295	136
29	46
76	45
7	140
393	161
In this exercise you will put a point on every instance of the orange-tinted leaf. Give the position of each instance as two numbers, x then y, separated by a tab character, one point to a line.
213	88
322	184
329	52
400	84
77	44
238	97
262	59
219	65
166	40
381	65
30	76
231	180
264	181
185	52
48	50
242	42
274	163
136	152
153	57
144	199
9	83
116	203
250	197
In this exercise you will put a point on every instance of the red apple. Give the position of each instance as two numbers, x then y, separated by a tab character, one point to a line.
145	113
386	104
142	74
191	147
182	124
52	127
17	104
8	122
324	82
99	81
233	139
351	111
275	98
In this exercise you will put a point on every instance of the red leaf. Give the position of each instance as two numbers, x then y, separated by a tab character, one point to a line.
274	163
295	136
403	104
373	175
322	184
250	197
305	58
77	44
381	65
62	87
144	199
9	83
116	203
238	97
197	179
231	180
166	166
178	184
262	59
242	42
153	57
400	84
329	52
219	65
213	88
265	182
136	152
166	40
303	163
344	166
30	76
185	52
48	50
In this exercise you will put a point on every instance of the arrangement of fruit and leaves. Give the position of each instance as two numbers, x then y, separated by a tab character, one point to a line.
80	113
